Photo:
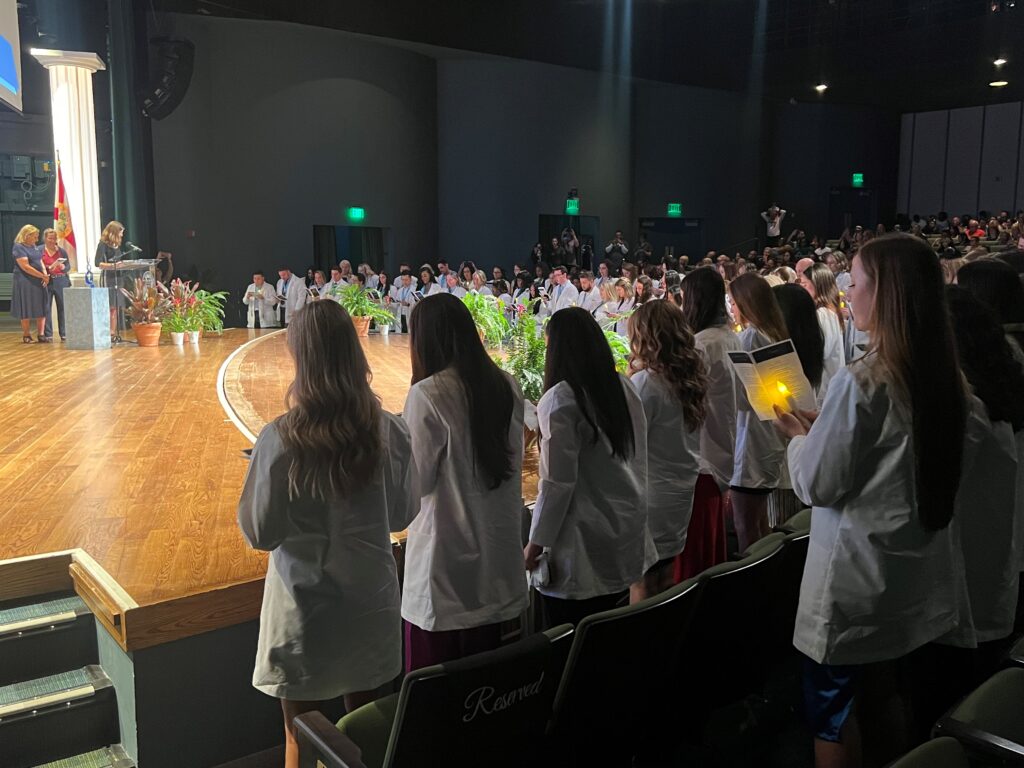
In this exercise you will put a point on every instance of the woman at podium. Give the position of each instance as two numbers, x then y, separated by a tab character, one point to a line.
28	296
108	253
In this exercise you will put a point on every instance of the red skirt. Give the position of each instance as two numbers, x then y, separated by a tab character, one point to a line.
705	537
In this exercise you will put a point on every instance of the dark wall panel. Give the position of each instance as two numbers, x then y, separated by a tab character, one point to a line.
962	158
998	175
927	168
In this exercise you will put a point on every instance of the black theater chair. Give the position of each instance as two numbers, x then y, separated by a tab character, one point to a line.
989	722
937	753
618	680
488	709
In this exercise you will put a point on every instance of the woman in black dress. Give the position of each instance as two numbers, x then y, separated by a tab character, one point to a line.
108	252
28	286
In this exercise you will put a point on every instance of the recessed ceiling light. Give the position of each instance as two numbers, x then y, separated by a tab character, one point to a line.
999	62
821	87
998	83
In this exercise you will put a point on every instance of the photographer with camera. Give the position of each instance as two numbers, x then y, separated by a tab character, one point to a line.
616	251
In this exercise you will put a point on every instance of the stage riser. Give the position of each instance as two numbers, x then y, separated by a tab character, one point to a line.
43	652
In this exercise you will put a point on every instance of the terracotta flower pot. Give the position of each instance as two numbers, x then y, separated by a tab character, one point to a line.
147	334
362	325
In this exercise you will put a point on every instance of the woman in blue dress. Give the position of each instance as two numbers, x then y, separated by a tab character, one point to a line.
28	288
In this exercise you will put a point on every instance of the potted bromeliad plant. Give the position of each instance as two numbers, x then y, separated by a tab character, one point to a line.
489	316
363	307
148	306
184	312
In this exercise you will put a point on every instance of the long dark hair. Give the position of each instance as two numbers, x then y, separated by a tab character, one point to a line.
986	357
801	318
997	285
332	449
444	336
912	337
704	299
579	355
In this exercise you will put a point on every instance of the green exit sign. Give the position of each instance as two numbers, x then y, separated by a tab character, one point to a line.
356	214
857	179
572	206
675	210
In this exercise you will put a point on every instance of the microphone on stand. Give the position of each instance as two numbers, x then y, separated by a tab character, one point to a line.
132	246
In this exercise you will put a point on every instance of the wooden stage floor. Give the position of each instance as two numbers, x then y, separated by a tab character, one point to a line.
134	455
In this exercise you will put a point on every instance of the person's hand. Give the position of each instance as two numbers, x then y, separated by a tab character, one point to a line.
794	424
46	279
530	554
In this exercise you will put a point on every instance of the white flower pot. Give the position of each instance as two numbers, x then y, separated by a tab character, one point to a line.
193	337
385	330
178	339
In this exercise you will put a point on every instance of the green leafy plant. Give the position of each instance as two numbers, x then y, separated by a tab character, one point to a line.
619	346
362	303
211	310
526	351
147	303
489	316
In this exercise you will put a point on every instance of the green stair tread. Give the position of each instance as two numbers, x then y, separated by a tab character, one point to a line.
100	758
38	610
44	686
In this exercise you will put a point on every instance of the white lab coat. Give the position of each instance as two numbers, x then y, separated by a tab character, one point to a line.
464	557
602	315
672	464
876	584
403	301
432	289
835	351
759	450
294	297
458	291
591	508
483	290
560	297
986	523
718	434
264	302
331	621
590	300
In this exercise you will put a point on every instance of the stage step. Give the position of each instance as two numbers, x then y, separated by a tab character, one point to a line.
44	638
108	757
71	713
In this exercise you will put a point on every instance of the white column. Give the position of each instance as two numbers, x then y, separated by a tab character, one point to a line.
74	140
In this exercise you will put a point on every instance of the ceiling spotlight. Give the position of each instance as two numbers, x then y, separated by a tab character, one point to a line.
821	87
999	83
999	62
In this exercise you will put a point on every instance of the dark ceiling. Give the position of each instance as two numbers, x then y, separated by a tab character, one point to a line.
905	55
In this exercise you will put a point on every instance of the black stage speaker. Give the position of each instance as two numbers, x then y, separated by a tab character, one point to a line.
173	68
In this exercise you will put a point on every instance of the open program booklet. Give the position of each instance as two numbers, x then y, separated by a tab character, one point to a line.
772	376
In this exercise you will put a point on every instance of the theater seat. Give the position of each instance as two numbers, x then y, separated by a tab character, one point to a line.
619	677
989	722
801	521
1016	654
937	753
489	708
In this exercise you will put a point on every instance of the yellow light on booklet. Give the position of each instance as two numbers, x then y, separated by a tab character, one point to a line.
783	389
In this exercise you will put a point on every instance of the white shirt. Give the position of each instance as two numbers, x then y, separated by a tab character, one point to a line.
835	348
483	290
293	296
560	297
759	451
986	521
718	434
330	622
458	291
672	464
264	301
774	225
590	300
876	584
432	288
591	508
464	558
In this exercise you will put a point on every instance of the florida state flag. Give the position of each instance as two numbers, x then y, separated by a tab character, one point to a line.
62	223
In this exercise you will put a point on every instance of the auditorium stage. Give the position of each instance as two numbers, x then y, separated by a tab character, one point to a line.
132	459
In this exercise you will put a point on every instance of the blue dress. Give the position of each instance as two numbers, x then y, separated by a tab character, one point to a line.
28	295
